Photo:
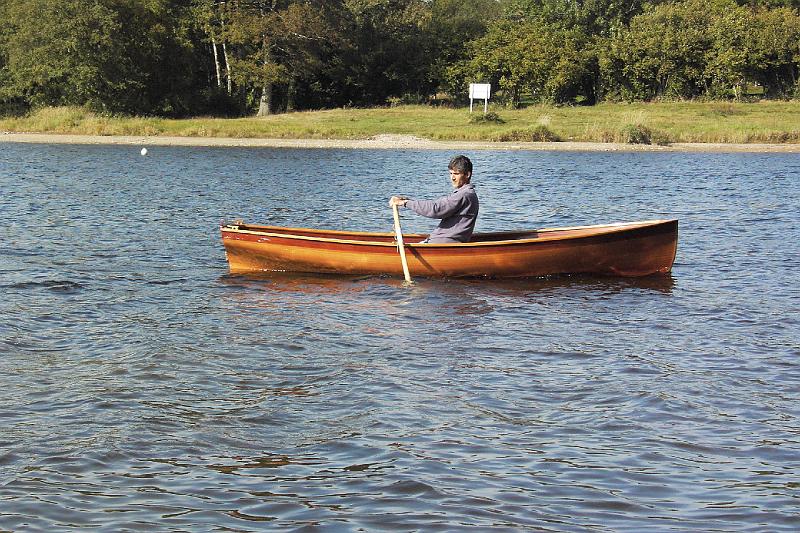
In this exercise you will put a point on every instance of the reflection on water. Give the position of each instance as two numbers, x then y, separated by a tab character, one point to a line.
295	282
659	283
330	283
144	387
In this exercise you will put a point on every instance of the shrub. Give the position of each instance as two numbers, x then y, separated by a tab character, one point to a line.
635	134
773	137
640	134
538	134
488	118
660	138
542	133
407	99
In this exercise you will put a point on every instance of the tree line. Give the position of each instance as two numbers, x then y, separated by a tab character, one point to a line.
239	57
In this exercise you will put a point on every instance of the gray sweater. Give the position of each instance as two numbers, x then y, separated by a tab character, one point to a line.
458	211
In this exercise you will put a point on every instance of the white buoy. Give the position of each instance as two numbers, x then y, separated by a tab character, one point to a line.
144	151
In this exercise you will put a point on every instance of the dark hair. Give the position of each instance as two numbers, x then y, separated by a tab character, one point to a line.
461	163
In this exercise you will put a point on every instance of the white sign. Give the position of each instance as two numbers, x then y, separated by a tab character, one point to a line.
478	91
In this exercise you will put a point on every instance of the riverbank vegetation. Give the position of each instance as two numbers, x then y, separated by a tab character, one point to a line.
237	58
646	123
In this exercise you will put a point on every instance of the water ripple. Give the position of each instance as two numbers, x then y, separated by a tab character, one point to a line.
143	387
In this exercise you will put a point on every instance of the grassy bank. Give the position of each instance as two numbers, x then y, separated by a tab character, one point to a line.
649	123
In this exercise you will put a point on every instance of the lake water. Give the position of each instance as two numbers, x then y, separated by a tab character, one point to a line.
142	387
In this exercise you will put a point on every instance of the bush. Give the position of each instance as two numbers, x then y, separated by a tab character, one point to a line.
660	138
407	99
14	107
538	134
635	134
773	137
542	133
489	118
640	134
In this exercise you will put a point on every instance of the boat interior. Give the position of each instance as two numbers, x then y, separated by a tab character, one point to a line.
412	238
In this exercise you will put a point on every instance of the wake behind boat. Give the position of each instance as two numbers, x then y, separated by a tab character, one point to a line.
620	249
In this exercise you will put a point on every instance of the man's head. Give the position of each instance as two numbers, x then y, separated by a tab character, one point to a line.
460	170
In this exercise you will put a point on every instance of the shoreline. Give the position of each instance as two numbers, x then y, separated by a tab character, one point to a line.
388	142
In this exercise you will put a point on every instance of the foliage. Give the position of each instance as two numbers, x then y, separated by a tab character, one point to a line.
386	53
663	53
775	62
532	58
593	17
486	118
111	55
636	134
237	57
697	48
47	58
453	25
540	133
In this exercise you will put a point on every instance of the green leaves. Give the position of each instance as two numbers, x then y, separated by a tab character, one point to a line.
180	57
697	48
109	55
56	51
532	59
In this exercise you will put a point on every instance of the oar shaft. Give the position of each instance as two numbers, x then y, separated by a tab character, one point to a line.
400	245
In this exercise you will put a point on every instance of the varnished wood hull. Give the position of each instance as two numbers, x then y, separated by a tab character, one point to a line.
626	249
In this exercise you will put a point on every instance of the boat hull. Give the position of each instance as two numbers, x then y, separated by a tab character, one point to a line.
628	249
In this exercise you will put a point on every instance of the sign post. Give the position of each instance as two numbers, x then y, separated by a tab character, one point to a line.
477	91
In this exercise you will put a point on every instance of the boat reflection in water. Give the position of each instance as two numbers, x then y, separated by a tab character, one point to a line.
332	284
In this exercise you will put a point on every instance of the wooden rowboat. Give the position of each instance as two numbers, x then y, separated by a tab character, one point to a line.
621	249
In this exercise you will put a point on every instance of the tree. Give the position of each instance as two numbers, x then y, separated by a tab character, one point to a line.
275	42
593	17
389	53
452	26
697	48
158	42
547	62
72	52
729	66
211	17
62	52
776	52
663	53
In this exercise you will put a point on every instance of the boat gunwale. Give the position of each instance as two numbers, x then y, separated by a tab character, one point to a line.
615	227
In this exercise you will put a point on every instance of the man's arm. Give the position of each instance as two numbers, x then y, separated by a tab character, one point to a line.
440	208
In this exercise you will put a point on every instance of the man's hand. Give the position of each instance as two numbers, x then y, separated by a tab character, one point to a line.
397	201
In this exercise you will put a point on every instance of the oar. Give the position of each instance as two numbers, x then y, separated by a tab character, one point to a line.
400	246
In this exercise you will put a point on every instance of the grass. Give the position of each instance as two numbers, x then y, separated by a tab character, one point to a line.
648	123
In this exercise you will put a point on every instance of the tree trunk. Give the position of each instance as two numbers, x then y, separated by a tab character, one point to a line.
290	90
228	73
265	105
216	61
266	101
515	92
